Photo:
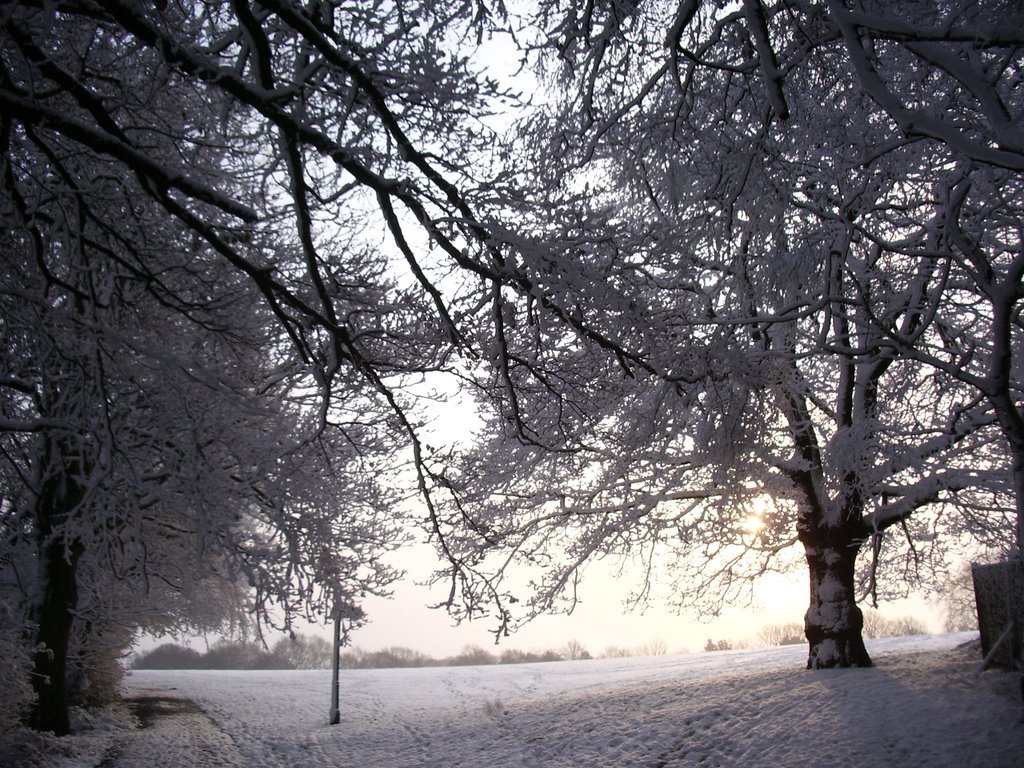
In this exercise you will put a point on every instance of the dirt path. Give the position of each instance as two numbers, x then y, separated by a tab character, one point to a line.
173	733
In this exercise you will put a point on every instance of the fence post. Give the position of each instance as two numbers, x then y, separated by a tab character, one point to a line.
999	596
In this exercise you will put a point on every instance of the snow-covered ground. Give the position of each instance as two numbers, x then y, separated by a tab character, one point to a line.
923	705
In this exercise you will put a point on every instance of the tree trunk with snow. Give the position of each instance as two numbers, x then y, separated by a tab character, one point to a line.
1012	424
833	623
56	616
60	497
1017	474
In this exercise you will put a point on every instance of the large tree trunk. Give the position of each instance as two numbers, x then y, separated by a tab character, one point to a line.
831	537
60	495
1017	463
56	616
833	623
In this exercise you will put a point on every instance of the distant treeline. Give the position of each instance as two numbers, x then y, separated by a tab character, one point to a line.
311	652
303	652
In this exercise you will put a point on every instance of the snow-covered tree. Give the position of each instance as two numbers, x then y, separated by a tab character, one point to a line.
157	455
741	200
205	332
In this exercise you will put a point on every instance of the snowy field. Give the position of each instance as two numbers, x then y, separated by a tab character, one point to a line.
923	705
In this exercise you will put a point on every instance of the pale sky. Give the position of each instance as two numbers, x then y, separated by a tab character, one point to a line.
597	623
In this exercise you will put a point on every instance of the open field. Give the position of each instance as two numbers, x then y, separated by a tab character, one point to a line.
922	705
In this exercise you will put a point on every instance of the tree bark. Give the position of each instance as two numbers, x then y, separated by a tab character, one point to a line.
56	616
833	623
1018	498
60	497
831	539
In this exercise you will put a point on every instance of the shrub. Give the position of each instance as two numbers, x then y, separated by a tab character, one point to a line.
876	625
15	665
301	652
721	645
169	656
781	634
472	655
95	669
531	657
575	651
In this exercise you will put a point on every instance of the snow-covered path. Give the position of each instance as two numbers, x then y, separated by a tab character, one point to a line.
175	734
922	706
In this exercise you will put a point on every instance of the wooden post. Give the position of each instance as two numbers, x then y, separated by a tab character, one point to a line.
999	595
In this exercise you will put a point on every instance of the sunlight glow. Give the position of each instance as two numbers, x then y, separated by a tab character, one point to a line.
753	524
757	509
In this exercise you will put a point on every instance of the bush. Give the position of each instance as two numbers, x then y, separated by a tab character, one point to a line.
471	656
95	669
876	625
574	651
781	634
224	655
394	657
169	656
301	652
721	645
15	667
531	657
958	602
657	647
232	655
617	652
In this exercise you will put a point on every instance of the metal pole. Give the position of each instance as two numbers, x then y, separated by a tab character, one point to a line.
335	712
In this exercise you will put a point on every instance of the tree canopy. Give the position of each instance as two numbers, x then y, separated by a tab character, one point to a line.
206	337
762	201
743	275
